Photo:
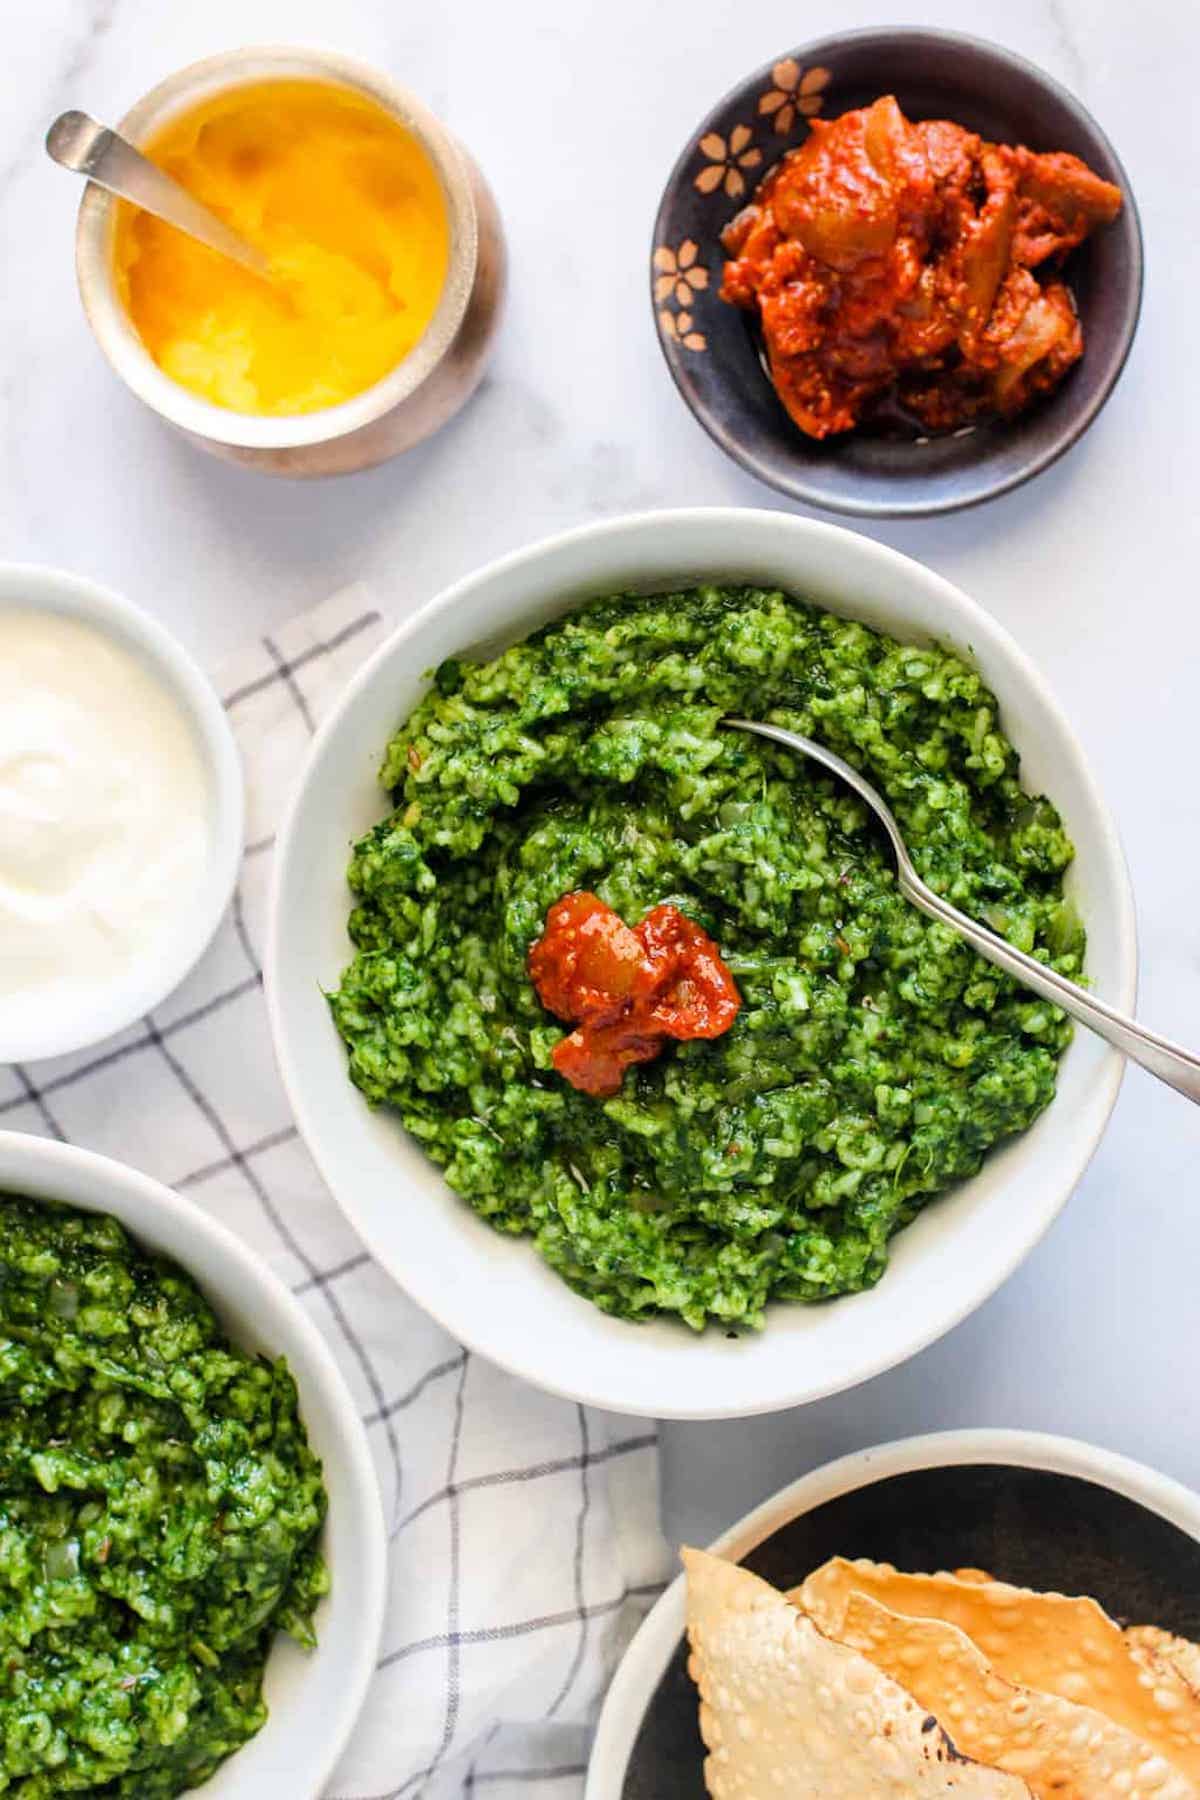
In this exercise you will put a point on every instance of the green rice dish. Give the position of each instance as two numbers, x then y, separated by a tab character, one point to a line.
159	1514
875	1059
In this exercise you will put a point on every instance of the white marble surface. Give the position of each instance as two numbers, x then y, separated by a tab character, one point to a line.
576	112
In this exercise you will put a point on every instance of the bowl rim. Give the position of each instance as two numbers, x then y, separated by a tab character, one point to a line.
115	333
31	1157
38	587
650	1652
813	492
437	1298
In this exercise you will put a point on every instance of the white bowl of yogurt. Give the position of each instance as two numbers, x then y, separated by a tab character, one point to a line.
121	813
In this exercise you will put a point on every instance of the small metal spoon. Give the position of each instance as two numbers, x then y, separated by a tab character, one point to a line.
80	144
1170	1062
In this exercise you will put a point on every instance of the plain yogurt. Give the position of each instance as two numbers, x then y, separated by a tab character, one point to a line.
105	816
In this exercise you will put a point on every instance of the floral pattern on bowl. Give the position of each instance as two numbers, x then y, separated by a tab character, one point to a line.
794	92
731	163
714	352
679	278
726	163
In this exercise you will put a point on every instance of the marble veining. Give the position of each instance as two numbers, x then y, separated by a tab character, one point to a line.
577	114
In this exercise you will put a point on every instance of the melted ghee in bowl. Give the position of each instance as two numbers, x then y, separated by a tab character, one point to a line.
349	209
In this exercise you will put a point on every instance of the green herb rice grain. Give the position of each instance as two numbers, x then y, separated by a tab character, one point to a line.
875	1060
159	1514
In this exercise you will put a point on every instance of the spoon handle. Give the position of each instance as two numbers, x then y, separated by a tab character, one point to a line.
79	143
1170	1062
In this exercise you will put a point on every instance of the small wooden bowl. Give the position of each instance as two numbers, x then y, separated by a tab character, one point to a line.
425	390
713	349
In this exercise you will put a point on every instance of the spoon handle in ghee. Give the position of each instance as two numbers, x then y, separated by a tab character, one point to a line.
1169	1061
80	144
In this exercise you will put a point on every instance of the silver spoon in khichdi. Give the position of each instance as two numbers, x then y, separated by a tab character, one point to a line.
1170	1062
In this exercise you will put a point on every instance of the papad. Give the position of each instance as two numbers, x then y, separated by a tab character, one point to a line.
786	1712
1058	1643
1063	1751
1153	1647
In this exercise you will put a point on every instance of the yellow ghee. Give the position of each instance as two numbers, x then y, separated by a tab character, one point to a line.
349	210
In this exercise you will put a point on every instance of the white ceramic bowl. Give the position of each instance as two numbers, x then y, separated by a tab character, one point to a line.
151	979
493	1292
652	1650
314	1697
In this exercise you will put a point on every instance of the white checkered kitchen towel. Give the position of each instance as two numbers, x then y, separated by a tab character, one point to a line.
524	1530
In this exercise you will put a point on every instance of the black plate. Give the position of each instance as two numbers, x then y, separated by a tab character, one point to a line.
1022	1525
712	349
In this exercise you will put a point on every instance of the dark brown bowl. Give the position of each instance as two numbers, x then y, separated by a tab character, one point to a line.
712	349
1030	1526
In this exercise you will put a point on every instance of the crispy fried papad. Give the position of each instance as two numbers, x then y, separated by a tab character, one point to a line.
1060	1644
1152	1647
1063	1751
785	1711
